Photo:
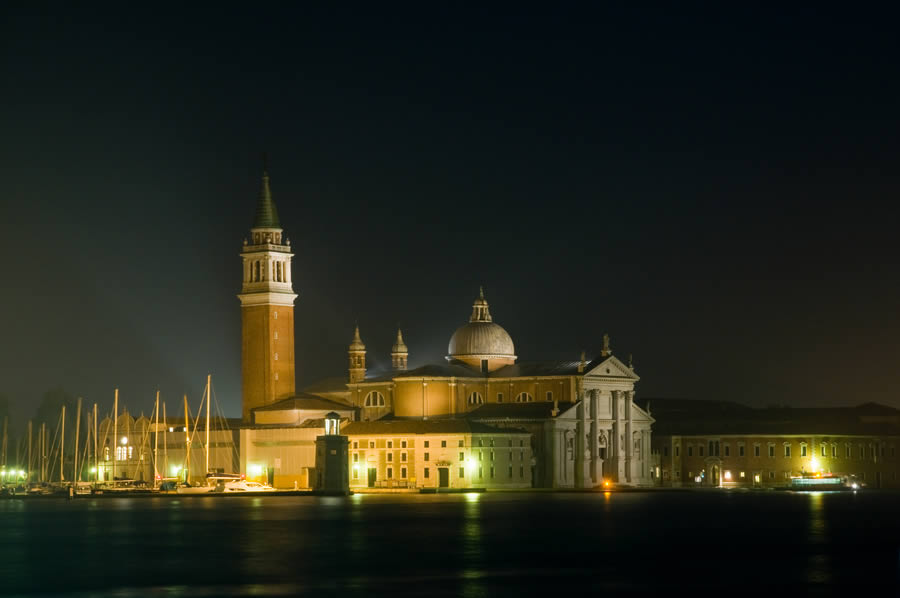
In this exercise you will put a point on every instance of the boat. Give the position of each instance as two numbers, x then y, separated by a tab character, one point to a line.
824	482
247	486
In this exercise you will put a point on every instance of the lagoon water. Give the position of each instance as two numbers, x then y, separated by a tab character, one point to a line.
493	544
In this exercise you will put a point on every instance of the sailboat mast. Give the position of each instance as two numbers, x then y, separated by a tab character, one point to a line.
208	395
165	440
62	442
5	442
76	475
30	440
96	447
156	444
43	451
187	442
115	442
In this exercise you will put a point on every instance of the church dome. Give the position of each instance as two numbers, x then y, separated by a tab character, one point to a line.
481	338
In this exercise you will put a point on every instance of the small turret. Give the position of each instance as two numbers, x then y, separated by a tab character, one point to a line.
357	355
399	353
606	351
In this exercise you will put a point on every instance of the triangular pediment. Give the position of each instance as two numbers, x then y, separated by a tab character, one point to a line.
611	367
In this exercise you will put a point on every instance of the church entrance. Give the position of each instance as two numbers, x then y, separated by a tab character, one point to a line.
714	475
443	477
373	474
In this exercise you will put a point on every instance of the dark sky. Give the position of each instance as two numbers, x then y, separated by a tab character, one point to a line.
717	190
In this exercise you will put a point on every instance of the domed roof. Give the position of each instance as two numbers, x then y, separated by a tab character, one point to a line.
481	337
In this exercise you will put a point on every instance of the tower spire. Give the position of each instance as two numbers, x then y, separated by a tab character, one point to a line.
399	352
266	213
357	355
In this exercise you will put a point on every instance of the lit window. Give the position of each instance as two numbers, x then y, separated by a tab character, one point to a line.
743	475
356	473
374	399
276	356
462	456
834	451
443	444
823	451
492	455
276	335
475	398
524	397
275	315
461	444
276	375
356	457
462	472
371	444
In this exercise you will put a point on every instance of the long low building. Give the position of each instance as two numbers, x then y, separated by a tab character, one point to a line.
725	444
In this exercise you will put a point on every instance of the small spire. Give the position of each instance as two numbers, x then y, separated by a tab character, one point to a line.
581	364
399	345
630	361
481	293
606	351
356	344
266	213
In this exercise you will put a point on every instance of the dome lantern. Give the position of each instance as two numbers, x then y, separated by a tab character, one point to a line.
482	343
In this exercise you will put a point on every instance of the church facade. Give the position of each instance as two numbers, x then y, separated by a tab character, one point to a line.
478	417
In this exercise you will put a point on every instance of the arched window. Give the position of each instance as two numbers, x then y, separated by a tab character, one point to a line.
475	398
524	397
374	399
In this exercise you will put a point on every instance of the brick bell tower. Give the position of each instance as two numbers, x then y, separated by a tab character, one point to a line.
267	309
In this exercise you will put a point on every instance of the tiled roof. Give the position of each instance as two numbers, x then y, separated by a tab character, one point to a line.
422	426
538	410
305	401
686	417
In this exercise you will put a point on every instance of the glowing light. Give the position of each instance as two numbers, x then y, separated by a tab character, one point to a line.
255	470
175	470
171	429
124	439
814	464
93	470
854	485
470	463
606	483
727	476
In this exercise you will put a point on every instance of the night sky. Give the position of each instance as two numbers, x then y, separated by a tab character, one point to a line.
717	190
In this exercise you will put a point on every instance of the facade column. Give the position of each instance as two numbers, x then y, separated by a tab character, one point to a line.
595	441
629	439
579	444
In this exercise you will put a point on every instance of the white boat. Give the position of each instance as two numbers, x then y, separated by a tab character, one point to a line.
246	486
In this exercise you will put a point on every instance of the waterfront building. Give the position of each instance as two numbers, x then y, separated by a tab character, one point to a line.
575	420
725	444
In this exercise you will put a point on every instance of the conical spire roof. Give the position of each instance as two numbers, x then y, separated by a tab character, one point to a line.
357	344
266	213
399	345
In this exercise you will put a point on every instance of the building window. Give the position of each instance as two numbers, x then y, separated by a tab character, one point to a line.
492	442
371	444
690	451
521	472
475	398
741	450
509	471
426	444
665	451
276	335
390	456
461	443
823	451
403	473
499	397
276	375
390	472
462	472
756	450
462	456
549	395
492	455
847	451
787	450
390	444
356	473
524	397
480	472
771	475
677	451
427	456
402	444
771	450
743	474
862	452
802	450
443	444
276	356
834	451
427	473
275	315
727	450
403	458
374	399
492	472
356	444
356	457
700	450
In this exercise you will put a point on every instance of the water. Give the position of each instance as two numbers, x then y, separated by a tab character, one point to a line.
491	544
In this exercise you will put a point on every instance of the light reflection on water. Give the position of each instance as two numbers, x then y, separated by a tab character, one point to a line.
474	544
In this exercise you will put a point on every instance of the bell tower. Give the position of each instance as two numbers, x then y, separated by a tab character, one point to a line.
267	309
